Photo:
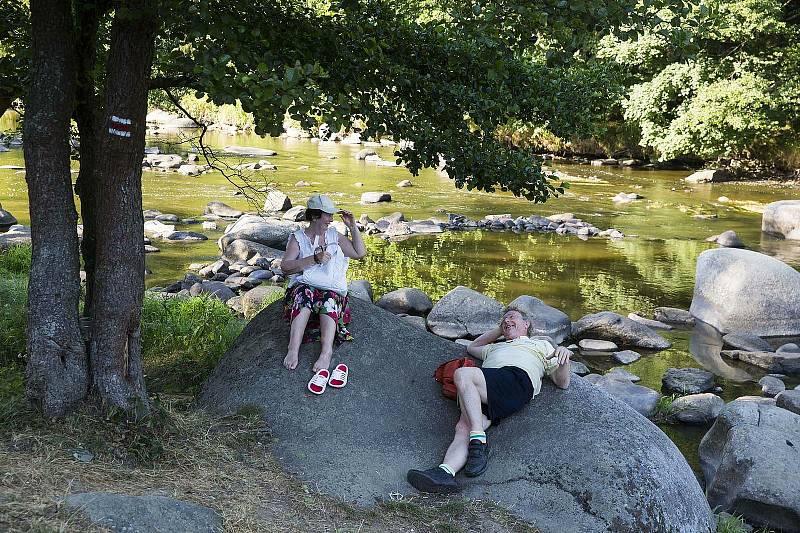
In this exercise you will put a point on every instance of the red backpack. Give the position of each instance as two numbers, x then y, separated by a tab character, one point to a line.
445	372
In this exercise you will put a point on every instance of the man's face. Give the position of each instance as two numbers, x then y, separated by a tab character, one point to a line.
513	325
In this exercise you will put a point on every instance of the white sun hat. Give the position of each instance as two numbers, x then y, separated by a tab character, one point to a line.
323	203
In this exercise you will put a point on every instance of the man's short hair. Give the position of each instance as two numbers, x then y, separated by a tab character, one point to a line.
523	314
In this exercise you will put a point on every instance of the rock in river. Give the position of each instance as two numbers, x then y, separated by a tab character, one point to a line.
222	209
272	232
249	151
781	362
781	218
747	342
545	320
634	480
464	313
697	409
746	292
409	301
616	328
375	197
751	463
641	399
687	380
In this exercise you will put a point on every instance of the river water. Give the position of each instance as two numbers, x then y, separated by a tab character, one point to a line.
653	266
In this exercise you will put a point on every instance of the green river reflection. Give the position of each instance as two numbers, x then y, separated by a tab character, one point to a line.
653	266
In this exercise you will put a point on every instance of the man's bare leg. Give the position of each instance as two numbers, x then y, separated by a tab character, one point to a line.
471	389
296	331
456	456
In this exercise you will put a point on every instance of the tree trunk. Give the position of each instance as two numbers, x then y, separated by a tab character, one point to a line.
57	375
87	112
115	348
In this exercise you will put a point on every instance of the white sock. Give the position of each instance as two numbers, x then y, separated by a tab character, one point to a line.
447	468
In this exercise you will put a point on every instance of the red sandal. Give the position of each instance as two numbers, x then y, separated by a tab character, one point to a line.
318	383
339	376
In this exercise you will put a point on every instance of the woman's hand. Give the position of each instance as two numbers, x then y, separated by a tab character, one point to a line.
348	218
321	256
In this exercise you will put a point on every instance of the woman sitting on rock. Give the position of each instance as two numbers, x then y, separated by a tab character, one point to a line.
316	259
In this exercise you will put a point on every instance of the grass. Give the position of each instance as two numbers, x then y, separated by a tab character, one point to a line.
15	263
183	339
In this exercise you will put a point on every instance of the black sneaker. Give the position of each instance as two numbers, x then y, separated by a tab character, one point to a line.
432	480
477	458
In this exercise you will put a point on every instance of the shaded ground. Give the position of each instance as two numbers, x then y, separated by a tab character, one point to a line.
220	463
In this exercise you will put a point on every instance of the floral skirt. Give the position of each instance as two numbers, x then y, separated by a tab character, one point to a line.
320	301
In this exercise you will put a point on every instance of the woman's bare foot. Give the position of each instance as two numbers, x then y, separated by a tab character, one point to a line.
290	361
324	361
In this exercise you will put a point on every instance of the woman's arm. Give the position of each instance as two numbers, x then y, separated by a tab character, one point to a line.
354	249
292	263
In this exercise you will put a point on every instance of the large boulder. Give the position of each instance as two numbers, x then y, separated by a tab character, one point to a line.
134	514
619	472
545	320
781	218
360	288
687	380
464	313
254	299
746	292
244	250
277	201
715	175
6	218
221	209
272	232
409	301
697	409
214	289
751	463
16	234
779	362
619	329
641	399
163	160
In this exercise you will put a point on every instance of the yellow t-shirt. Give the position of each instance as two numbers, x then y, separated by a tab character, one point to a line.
531	355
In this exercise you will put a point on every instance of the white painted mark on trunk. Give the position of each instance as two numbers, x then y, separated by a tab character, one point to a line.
121	127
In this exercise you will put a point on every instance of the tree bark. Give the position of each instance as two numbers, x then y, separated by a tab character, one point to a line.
57	374
115	347
87	111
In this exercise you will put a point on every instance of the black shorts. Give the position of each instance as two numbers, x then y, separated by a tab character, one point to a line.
508	390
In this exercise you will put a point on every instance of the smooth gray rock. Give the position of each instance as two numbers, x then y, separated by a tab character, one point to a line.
375	197
697	409
687	380
277	201
464	313
618	329
235	303
545	320
595	345
244	250
163	160
249	151
144	514
627	357
771	387
714	175
643	483
185	236
364	153
747	342
416	321
360	288
781	218
746	292
789	347
295	214
653	324
150	214
409	301
272	232
621	373
167	218
215	289
729	239
6	218
673	315
641	399
576	367
779	362
157	229
16	234
790	400
221	209
751	463
253	300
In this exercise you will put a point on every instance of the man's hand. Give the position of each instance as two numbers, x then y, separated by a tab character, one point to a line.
562	355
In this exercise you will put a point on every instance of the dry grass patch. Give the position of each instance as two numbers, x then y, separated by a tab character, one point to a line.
222	463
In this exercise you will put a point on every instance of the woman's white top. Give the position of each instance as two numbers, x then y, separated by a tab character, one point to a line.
329	276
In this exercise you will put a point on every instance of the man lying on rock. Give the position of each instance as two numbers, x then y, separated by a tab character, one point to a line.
511	375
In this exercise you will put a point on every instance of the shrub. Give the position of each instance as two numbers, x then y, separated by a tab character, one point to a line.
14	265
183	339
